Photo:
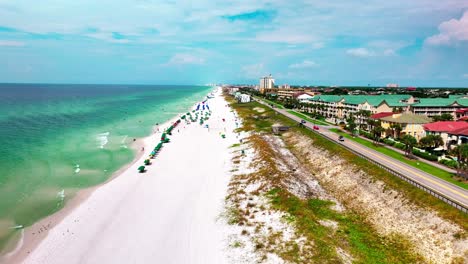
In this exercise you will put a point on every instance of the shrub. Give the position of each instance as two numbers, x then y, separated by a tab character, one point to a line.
389	142
449	163
424	155
399	145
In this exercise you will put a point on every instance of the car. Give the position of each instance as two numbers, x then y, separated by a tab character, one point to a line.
303	121
316	128
341	138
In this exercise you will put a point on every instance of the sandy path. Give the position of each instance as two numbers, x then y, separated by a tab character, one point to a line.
166	215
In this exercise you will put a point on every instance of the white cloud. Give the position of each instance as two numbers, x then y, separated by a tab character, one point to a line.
465	75
253	71
451	32
360	52
389	52
303	65
185	58
11	43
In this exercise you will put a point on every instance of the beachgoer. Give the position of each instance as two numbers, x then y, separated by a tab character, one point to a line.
142	148
134	139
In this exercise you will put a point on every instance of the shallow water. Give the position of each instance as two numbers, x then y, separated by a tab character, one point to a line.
57	139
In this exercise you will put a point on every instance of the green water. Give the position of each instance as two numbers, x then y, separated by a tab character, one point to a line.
57	139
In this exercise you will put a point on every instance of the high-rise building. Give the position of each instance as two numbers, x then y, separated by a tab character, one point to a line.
267	82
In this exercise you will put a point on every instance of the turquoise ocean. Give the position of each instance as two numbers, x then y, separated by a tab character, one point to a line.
58	139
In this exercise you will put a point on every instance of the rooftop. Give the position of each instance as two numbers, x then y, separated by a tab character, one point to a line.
407	118
380	115
460	132
445	126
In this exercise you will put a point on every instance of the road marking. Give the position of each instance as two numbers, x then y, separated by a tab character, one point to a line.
408	170
388	160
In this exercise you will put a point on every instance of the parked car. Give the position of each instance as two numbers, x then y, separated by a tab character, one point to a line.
341	138
316	128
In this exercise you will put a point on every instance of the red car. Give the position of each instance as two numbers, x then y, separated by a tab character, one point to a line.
316	128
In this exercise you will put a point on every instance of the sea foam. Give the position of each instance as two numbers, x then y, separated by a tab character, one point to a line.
103	139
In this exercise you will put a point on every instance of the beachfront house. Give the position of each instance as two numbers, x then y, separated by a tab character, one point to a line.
448	130
409	123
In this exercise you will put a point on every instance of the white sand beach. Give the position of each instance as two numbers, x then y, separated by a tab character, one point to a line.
165	215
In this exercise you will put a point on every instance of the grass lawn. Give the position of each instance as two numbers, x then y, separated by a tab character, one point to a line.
308	119
277	105
445	175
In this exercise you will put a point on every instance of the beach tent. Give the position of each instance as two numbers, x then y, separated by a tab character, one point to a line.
203	107
198	107
141	169
207	107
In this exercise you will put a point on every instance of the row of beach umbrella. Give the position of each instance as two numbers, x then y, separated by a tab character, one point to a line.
157	149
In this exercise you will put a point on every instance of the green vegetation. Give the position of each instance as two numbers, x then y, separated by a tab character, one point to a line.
277	105
445	175
417	196
306	118
352	233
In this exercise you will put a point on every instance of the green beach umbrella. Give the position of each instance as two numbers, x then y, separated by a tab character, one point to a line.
141	168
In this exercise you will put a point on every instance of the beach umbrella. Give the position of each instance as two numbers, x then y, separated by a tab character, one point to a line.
147	162
141	169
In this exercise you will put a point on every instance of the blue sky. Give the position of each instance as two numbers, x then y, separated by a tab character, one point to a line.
420	42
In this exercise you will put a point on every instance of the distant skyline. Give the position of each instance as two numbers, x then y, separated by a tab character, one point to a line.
412	43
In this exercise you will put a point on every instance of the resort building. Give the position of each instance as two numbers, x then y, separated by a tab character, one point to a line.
445	129
457	137
410	124
267	82
343	106
461	114
438	106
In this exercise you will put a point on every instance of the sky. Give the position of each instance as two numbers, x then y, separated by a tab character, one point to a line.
340	42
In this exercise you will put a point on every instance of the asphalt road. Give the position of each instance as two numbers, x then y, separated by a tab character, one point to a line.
445	188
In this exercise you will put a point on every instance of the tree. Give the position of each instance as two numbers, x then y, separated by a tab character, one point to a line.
351	124
396	129
443	117
377	130
362	114
461	152
409	142
431	141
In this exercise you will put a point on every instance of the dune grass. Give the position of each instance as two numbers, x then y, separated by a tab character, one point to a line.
417	196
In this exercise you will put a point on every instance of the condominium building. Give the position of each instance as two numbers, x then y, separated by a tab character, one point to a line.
266	82
438	106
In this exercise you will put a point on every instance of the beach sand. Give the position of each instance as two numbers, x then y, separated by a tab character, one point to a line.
166	215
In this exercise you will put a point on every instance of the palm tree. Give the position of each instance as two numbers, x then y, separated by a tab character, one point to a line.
396	129
461	152
362	114
409	142
377	129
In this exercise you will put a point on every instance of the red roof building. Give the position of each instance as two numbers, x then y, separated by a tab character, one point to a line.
381	115
445	126
461	114
450	131
460	132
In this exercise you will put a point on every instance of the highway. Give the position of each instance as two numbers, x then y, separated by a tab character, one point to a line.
449	190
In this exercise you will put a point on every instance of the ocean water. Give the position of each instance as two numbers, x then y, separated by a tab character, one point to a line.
58	139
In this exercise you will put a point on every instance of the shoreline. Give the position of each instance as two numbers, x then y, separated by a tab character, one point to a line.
31	238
